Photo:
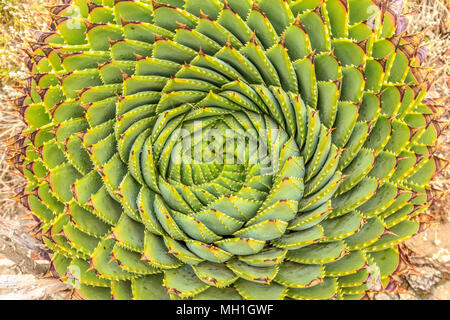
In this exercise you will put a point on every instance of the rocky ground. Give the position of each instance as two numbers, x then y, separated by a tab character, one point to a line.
21	278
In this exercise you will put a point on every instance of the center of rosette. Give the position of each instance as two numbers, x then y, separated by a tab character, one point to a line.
236	173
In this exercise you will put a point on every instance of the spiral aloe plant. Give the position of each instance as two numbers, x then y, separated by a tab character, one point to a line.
328	168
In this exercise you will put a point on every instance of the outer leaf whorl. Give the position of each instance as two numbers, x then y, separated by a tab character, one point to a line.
315	110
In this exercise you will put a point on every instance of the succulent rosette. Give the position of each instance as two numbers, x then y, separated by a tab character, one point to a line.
209	149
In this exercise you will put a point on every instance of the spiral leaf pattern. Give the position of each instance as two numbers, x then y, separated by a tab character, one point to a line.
209	149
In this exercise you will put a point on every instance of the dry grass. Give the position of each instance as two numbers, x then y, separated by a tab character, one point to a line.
433	17
18	19
16	26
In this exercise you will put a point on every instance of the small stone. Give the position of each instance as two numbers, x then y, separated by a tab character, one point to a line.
405	296
386	296
423	285
441	292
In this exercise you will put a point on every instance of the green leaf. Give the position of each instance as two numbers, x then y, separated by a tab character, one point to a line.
325	290
183	282
255	291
